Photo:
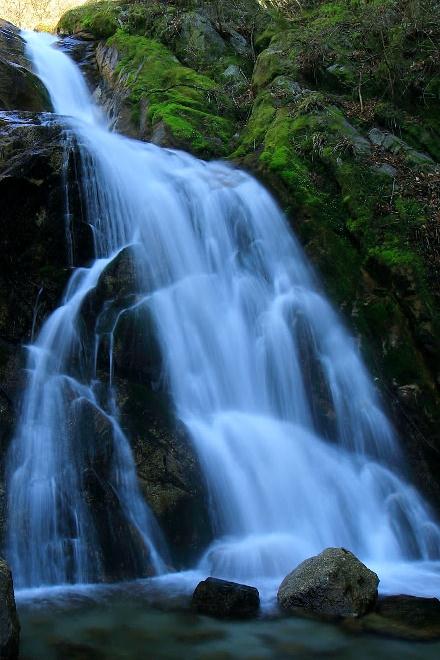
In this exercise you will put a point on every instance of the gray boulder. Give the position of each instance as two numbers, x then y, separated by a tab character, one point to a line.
330	585
225	600
9	625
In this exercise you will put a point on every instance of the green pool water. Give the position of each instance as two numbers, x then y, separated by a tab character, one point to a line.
117	624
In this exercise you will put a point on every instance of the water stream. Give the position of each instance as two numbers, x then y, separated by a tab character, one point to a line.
296	449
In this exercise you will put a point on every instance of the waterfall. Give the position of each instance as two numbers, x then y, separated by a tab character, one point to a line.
297	452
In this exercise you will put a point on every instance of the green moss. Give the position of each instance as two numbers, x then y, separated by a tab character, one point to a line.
182	99
100	19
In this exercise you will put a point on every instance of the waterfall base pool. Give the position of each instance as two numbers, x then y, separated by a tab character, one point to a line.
141	621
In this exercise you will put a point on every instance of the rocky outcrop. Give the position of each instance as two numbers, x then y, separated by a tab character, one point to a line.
225	600
20	89
9	625
331	585
176	75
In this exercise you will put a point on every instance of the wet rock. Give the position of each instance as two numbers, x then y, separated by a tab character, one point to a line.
403	617
82	49
223	599
136	349
121	549
330	585
87	421
35	170
169	473
170	476
9	624
20	89
115	290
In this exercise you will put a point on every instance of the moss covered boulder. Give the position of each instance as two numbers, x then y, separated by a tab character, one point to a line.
154	97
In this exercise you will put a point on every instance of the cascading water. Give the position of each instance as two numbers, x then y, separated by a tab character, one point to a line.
297	453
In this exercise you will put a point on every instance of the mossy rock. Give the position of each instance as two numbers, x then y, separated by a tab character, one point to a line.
162	93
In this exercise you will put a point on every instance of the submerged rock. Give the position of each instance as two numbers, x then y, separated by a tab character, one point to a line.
9	625
332	584
224	599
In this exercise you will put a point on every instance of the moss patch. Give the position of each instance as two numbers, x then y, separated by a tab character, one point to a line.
178	97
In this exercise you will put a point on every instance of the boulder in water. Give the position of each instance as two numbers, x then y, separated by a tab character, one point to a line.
330	585
225	600
9	625
404	617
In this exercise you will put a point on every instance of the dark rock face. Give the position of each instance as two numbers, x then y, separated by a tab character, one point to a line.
36	170
123	554
37	245
169	473
20	89
332	584
226	600
9	625
403	617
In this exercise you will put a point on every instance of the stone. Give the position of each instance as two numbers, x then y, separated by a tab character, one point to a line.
170	475
403	617
387	169
395	145
20	89
115	290
333	584
9	624
225	600
232	71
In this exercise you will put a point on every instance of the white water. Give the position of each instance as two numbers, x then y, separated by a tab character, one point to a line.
249	344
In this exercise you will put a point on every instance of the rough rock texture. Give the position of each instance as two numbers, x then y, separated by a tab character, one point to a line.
332	584
403	617
20	89
226	600
9	625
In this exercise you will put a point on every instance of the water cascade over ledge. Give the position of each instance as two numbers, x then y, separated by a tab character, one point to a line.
296	450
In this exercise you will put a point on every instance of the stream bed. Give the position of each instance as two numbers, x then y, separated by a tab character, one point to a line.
139	622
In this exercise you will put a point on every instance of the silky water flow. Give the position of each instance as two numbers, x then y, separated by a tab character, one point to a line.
296	450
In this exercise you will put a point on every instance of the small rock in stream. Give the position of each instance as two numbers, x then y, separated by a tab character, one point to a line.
225	600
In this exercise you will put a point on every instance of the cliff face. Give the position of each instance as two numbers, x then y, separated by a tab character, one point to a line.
332	105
